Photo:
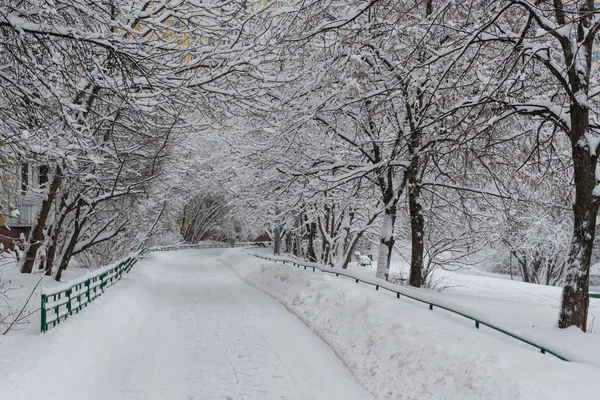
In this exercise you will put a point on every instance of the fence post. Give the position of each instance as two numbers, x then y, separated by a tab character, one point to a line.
57	309
69	306
87	284
43	310
79	306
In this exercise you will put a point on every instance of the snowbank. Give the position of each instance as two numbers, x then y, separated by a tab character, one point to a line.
398	350
20	294
498	312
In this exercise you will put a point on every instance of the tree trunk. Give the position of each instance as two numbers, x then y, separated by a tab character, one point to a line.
325	250
416	168
288	242
65	210
277	241
522	260
386	244
575	297
353	244
350	250
184	225
77	225
536	264
312	232
51	253
417	229
295	245
417	221
36	237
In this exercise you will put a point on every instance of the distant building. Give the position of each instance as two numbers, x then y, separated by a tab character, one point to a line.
21	187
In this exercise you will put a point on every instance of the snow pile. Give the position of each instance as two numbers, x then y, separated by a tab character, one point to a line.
489	303
398	350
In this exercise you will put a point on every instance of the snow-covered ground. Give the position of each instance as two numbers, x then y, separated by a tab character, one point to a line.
522	307
400	350
192	325
180	326
22	294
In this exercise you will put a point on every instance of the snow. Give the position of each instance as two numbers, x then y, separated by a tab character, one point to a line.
398	349
531	310
179	326
191	324
529	313
89	274
593	141
526	309
20	286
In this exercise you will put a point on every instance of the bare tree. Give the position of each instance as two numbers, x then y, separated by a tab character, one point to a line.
552	47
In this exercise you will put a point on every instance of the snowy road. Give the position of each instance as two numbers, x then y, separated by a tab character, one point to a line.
182	327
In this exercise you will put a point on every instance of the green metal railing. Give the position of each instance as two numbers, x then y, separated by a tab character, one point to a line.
199	246
59	303
400	292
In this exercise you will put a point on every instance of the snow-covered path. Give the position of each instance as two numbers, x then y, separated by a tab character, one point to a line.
181	327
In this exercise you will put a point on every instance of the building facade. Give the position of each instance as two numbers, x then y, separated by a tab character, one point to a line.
22	186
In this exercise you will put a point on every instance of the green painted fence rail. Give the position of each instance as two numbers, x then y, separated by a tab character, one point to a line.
431	304
201	246
60	302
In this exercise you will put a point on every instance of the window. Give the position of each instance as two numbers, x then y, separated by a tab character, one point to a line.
43	175
596	56
24	177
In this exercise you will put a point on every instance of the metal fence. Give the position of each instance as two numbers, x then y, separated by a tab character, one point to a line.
58	303
202	246
399	292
